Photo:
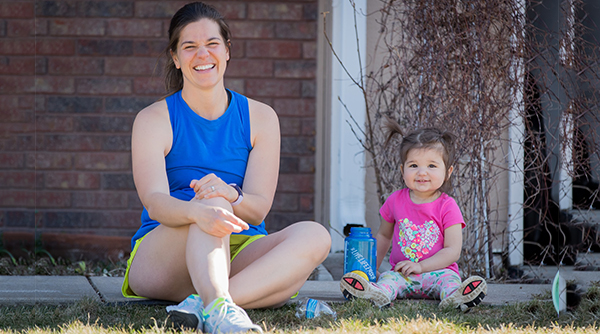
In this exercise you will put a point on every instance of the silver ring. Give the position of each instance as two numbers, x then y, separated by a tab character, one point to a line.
212	188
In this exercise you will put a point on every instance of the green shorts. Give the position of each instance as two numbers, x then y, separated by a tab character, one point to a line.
237	242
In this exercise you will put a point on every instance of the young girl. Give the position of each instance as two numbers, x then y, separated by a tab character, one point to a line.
424	226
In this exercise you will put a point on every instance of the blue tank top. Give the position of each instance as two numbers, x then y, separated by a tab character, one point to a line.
201	147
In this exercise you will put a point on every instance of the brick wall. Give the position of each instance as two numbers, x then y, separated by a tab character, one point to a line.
73	75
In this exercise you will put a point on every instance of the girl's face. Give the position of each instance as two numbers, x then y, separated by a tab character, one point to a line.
424	171
202	54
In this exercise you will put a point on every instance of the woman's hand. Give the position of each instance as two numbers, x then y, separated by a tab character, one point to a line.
408	267
211	186
219	222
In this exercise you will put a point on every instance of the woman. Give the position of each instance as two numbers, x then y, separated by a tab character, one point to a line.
205	165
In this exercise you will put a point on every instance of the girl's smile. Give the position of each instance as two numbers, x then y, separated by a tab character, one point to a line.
424	172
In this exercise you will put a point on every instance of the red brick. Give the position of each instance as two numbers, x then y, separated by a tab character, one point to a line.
274	88
75	65
309	127
307	203
117	86
49	160
236	85
301	69
17	9
296	183
249	68
53	199
19	243
100	200
247	29
63	47
71	180
17	198
238	50
103	161
54	123
149	86
157	9
17	128
134	201
20	28
273	49
26	102
88	246
77	27
137	66
61	85
19	84
309	50
290	126
136	28
296	30
12	160
295	107
276	11
17	65
69	142
17	46
17	179
230	10
285	202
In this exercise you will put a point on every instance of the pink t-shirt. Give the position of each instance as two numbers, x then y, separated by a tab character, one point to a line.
419	228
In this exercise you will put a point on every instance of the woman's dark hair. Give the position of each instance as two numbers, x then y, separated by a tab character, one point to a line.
426	138
187	14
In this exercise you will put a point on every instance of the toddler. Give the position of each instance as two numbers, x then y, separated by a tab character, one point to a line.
424	226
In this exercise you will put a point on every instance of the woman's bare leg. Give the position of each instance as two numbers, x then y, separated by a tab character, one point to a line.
272	269
172	263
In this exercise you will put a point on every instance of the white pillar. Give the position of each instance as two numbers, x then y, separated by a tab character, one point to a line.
347	171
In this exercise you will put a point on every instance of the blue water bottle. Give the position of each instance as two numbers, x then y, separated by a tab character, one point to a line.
360	252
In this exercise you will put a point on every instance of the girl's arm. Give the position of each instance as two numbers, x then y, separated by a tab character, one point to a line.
440	260
150	142
384	239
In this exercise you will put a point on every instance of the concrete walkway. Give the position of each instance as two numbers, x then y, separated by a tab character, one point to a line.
68	289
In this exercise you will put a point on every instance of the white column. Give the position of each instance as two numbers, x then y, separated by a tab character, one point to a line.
347	172
516	154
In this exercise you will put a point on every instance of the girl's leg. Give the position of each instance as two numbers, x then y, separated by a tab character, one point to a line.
271	269
439	284
392	283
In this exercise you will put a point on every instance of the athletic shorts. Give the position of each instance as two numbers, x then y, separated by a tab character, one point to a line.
237	242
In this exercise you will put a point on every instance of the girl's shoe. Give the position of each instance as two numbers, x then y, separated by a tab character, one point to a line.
187	314
355	285
470	293
223	316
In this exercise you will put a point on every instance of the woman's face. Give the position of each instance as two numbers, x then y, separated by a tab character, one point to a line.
202	54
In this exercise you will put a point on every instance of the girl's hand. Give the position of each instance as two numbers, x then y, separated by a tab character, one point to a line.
211	186
408	267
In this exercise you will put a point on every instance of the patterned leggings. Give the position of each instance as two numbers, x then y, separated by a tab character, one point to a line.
437	284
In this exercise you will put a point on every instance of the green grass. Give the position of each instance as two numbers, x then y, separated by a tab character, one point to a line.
358	316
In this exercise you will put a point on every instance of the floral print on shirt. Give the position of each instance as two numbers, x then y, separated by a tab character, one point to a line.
415	240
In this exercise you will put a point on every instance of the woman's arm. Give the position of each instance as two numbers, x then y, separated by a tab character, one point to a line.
260	181
151	141
440	260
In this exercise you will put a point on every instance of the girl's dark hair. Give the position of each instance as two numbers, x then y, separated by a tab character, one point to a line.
426	138
187	14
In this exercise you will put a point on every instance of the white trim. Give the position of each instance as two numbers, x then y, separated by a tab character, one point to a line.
347	172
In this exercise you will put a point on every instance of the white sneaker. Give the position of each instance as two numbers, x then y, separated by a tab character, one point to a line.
470	293
223	316
356	285
187	314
